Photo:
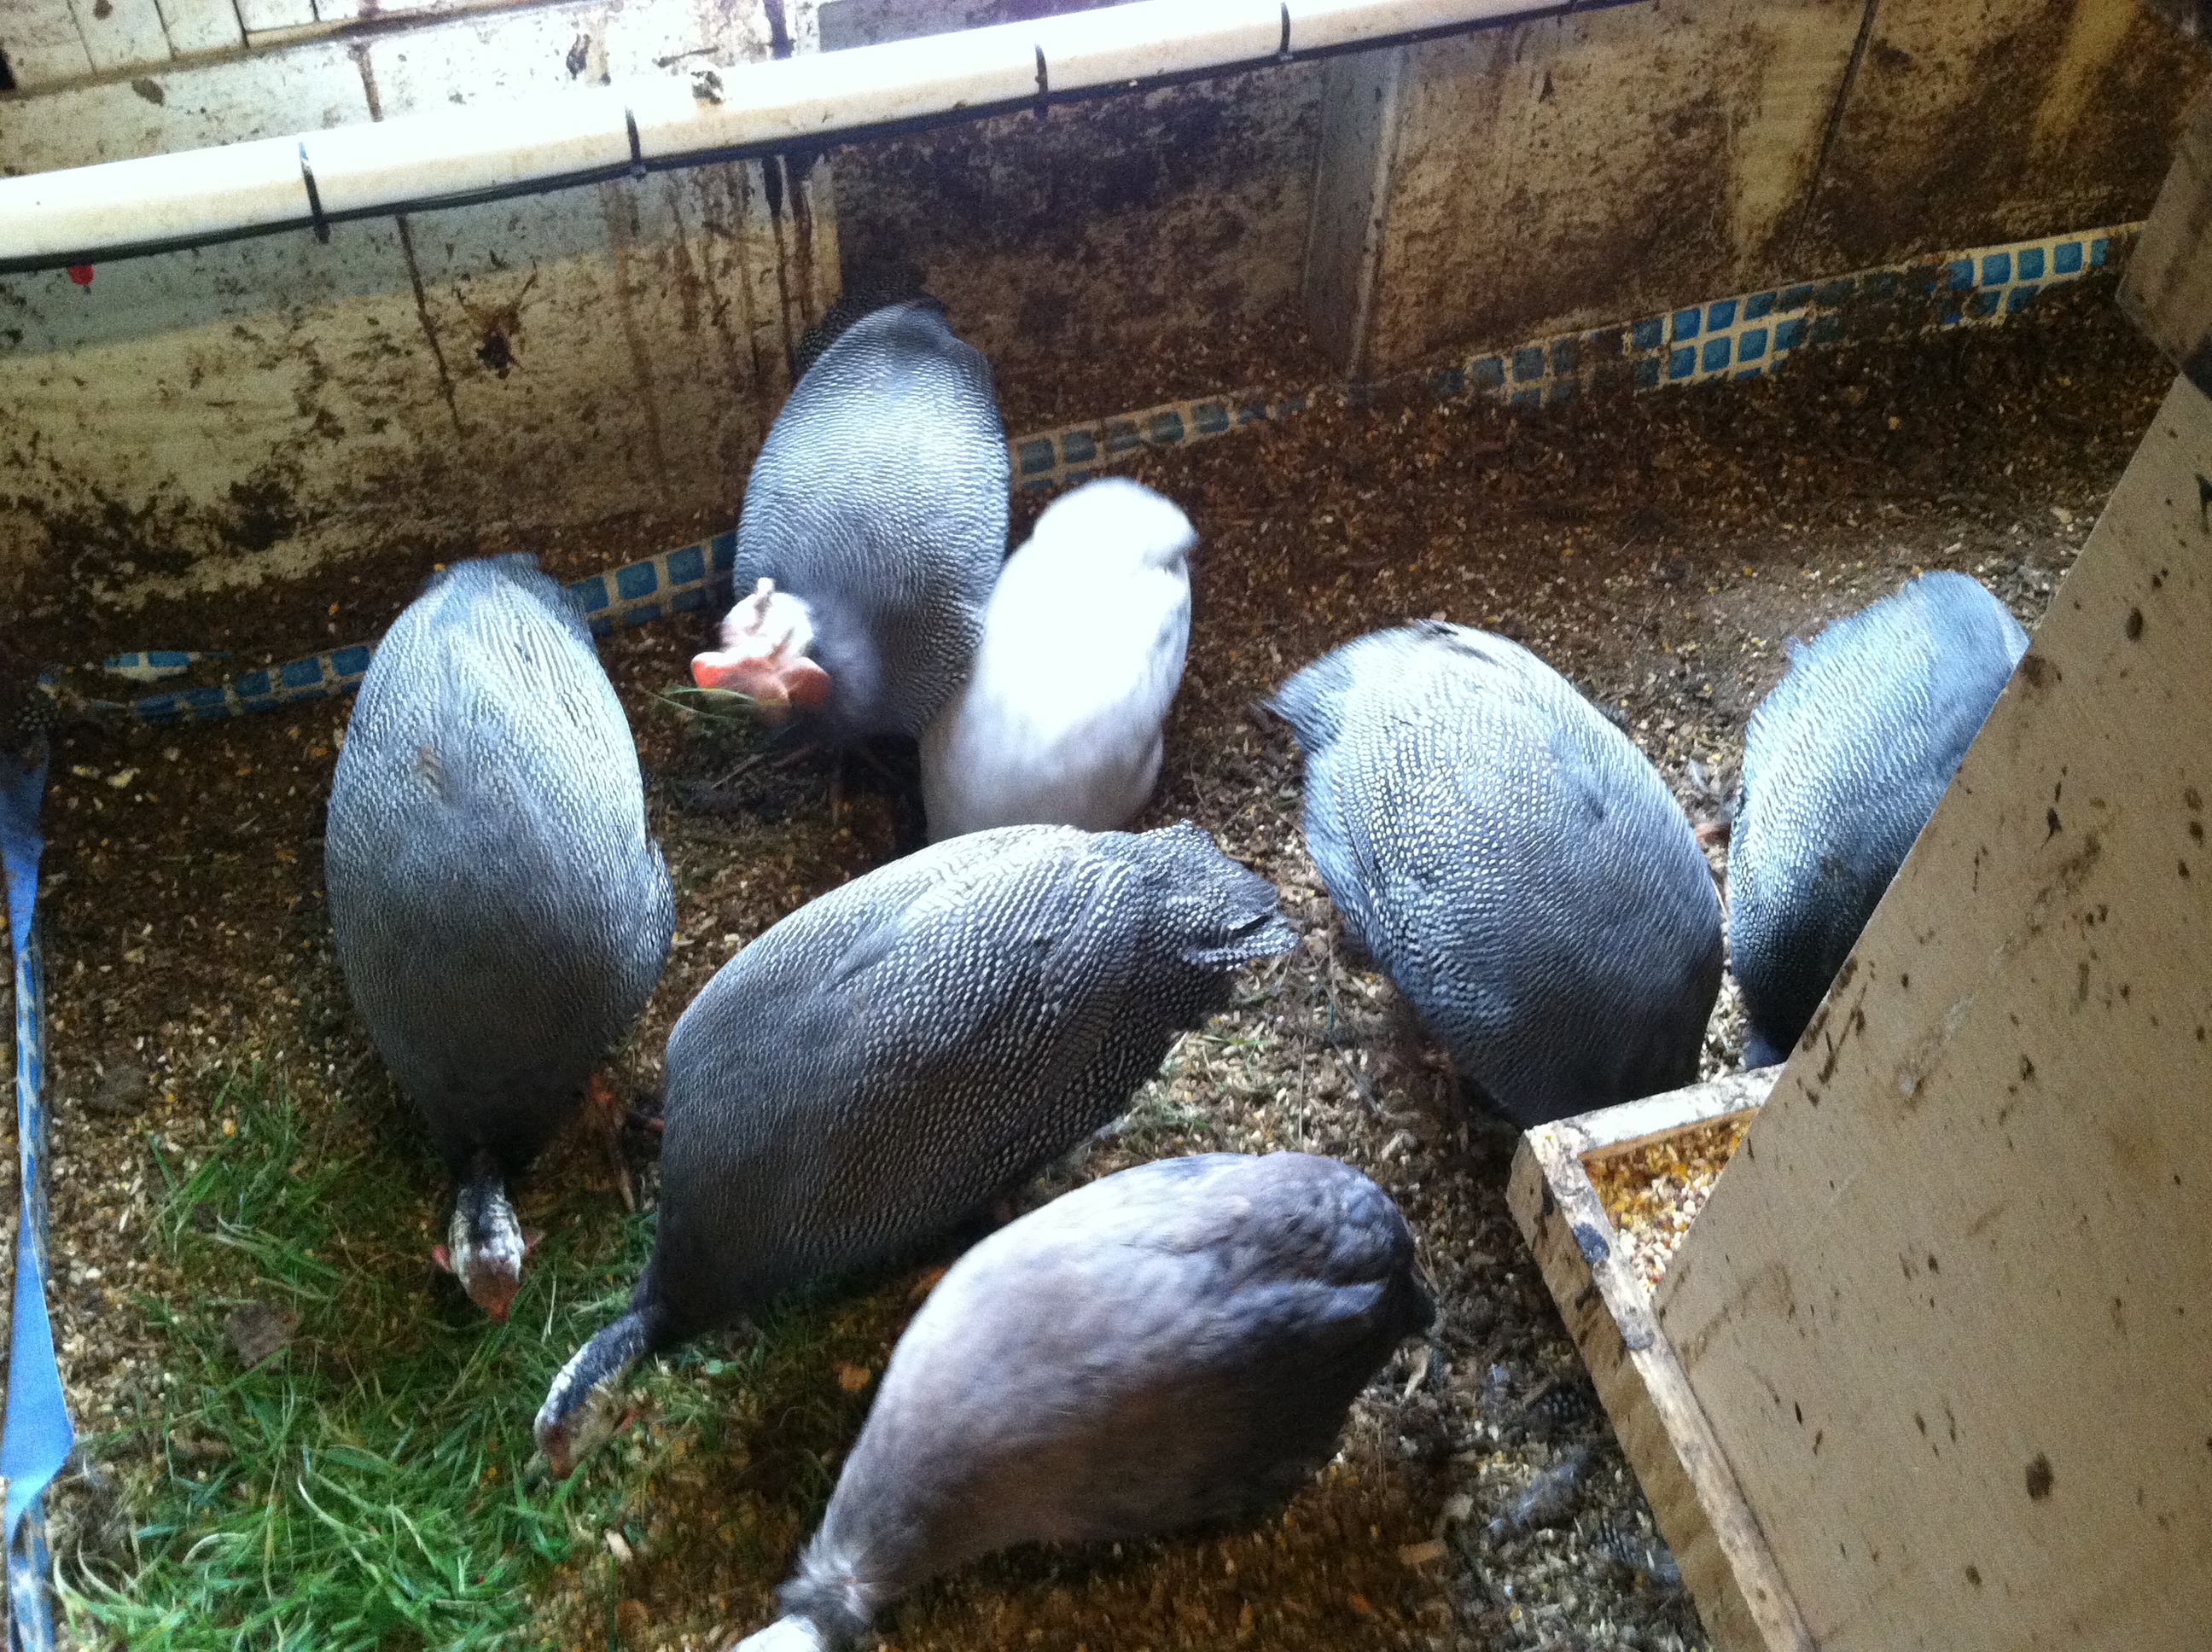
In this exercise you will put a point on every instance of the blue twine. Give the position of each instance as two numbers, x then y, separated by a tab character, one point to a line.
36	1438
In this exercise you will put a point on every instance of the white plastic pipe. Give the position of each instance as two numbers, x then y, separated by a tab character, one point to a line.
83	214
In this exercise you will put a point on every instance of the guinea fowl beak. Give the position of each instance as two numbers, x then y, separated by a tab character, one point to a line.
495	1293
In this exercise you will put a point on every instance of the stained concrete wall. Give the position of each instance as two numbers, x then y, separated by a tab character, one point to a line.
1565	174
216	418
255	407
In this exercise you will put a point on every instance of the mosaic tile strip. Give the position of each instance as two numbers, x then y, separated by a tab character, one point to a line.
674	582
1752	334
1744	337
318	676
155	665
1076	452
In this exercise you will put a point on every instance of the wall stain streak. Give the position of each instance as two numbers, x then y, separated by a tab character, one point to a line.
772	185
620	209
360	54
1828	135
703	295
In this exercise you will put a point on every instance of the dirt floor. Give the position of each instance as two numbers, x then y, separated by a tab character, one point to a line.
1658	551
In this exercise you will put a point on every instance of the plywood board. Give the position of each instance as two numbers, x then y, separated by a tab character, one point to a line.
1700	1512
1362	115
185	106
1950	1312
2168	291
1103	229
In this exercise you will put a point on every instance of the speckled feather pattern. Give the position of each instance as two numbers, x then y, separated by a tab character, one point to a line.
501	912
1513	862
1174	1344
879	500
879	1065
1842	764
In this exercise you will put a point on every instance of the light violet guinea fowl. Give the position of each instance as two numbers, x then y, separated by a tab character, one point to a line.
1173	1345
886	1061
1842	765
1513	862
873	530
1058	722
499	909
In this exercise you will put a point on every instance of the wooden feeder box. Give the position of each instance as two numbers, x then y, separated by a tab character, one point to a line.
1933	1368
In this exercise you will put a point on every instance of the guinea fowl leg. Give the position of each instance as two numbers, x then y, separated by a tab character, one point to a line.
769	757
608	1114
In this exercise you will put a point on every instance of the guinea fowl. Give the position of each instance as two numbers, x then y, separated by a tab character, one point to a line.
886	1061
1173	1345
874	528
1513	862
1058	722
1842	765
500	910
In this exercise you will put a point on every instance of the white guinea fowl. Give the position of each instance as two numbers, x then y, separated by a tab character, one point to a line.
1059	723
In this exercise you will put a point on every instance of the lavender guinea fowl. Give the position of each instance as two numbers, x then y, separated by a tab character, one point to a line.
878	1067
500	911
1059	721
874	528
1842	765
1513	862
1173	1345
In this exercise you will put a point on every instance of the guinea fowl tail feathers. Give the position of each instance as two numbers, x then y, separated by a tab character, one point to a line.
790	1635
1312	701
899	283
825	1595
1117	518
512	574
1244	939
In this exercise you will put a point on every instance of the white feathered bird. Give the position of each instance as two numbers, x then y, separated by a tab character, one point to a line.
1083	648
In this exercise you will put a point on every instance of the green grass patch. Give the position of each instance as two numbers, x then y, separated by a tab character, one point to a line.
365	1486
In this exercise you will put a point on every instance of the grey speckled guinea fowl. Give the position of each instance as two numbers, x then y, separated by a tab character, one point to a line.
880	1064
874	528
1172	1344
1842	765
1513	862
500	911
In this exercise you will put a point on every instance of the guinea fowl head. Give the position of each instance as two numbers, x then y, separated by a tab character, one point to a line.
484	1244
578	1416
763	653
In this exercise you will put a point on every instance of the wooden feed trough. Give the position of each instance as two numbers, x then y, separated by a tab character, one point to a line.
1934	1367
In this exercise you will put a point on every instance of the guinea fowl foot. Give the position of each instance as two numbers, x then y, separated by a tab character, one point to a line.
769	758
610	1115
